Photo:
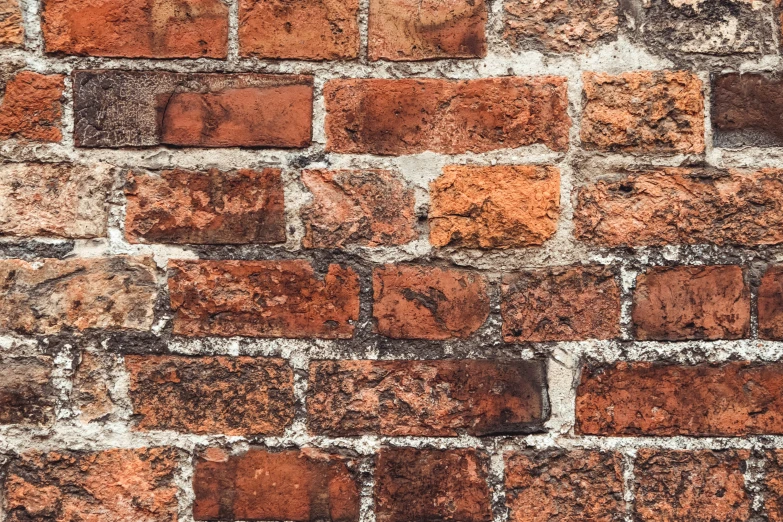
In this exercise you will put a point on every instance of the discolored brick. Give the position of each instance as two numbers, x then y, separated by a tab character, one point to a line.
11	28
746	110
92	383
506	206
26	392
770	304
31	108
773	485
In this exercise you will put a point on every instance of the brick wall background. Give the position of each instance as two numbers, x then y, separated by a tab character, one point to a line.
391	261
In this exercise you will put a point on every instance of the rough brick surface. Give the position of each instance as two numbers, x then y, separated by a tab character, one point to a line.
494	207
11	29
26	392
770	304
425	398
773	485
421	302
410	116
32	108
92	387
289	485
214	207
746	110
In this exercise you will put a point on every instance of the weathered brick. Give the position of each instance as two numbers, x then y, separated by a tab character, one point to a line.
746	110
424	302
53	295
426	398
691	302
773	485
214	207
148	108
770	304
136	28
410	30
92	383
11	28
561	304
646	111
560	26
682	206
698	486
358	207
298	485
409	116
26	392
32	107
505	206
213	395
731	399
117	484
431	484
554	485
263	299
302	29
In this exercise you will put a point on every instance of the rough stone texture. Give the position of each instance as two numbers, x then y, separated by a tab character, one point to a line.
296	485
425	398
32	108
560	26
746	110
11	29
698	486
561	304
424	302
773	485
682	206
48	199
263	299
554	485
136	28
431	484
409	116
731	399
410	30
148	108
299	29
358	207
691	302
92	383
506	206
214	207
26	392
645	111
221	395
110	293
770	304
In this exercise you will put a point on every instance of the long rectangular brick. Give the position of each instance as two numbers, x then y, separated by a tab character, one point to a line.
27	395
747	110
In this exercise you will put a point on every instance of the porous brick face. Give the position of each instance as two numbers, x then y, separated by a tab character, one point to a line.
26	392
11	29
770	304
32	107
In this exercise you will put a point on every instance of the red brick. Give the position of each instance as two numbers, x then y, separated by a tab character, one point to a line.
409	116
430	484
424	302
11	28
299	29
732	399
746	110
296	485
411	30
117	485
426	398
561	304
32	107
691	302
770	304
554	485
773	485
357	207
213	207
26	392
136	28
698	486
211	395
263	299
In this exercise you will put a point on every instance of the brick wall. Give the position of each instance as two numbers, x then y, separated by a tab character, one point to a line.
391	261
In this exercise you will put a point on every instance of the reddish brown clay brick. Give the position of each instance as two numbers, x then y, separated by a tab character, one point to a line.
357	207
691	302
118	484
31	108
698	486
213	207
263	299
770	304
114	293
554	485
47	199
426	398
732	399
773	485
411	30
506	206
136	28
92	383
222	395
423	302
298	485
26	392
561	304
683	206
410	116
646	111
11	28
746	110
303	29
430	484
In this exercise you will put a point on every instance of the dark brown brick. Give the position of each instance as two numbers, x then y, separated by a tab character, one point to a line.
770	304
26	392
747	110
